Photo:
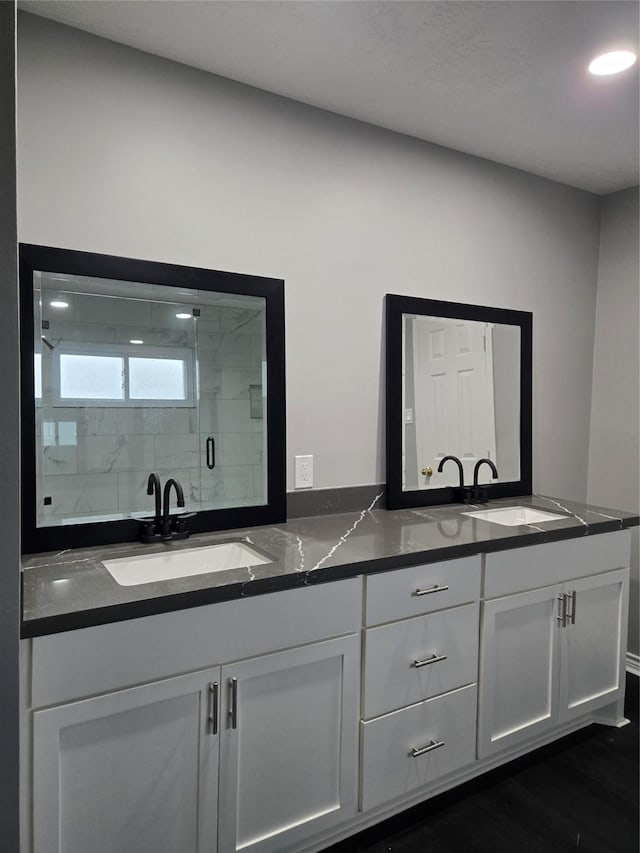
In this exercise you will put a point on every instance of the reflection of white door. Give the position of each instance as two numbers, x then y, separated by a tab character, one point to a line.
454	401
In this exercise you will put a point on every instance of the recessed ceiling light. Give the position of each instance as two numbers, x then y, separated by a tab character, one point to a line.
612	63
136	342
58	303
182	316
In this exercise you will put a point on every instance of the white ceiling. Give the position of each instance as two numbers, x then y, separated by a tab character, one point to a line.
503	79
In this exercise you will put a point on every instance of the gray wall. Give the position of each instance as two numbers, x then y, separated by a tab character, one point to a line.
614	461
126	153
9	449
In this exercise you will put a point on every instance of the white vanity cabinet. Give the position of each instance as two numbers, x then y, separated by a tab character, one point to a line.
419	677
254	725
257	754
553	654
132	770
288	746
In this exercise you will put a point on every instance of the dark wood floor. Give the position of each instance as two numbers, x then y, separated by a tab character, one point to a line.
579	794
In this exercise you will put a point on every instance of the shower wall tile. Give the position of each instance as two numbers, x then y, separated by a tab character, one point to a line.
228	482
177	452
242	321
240	449
210	381
258	347
209	319
157	421
93	421
114	453
259	482
235	383
59	460
218	416
75	495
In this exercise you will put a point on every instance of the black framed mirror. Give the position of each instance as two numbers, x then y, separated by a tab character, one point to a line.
131	367
458	382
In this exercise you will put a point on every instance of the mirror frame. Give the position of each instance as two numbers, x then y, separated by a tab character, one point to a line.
47	259
395	307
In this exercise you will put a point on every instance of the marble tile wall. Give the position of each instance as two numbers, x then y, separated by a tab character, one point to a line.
94	461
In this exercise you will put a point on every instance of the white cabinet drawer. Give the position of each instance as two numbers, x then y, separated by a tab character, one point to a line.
389	767
421	589
507	572
414	659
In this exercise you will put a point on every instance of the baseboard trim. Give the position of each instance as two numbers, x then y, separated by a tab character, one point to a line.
633	663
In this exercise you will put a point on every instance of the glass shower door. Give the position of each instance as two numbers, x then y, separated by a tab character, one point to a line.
232	388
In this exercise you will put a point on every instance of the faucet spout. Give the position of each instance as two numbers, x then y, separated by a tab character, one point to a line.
458	463
154	488
166	500
480	462
480	493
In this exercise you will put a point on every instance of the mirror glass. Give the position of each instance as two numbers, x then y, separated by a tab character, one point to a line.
458	384
461	387
132	377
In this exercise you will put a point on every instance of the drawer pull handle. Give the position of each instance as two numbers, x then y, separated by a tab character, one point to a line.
435	588
434	744
427	661
562	611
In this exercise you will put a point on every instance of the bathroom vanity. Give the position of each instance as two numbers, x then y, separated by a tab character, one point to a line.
378	659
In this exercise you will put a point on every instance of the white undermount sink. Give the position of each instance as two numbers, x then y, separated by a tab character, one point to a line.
149	568
514	515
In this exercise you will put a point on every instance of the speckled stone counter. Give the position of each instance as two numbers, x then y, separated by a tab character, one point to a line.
72	589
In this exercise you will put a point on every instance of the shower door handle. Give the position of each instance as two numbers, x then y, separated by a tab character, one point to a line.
211	452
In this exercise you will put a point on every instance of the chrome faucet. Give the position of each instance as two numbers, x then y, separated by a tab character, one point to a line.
463	494
480	493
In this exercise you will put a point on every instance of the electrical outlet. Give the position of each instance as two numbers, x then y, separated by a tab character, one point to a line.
304	472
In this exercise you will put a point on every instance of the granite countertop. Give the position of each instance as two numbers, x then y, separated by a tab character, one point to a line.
72	589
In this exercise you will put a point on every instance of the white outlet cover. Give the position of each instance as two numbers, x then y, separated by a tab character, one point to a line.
303	472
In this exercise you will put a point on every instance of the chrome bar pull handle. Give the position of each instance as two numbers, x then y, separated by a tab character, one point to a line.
422	750
233	703
435	588
562	611
571	614
212	716
426	661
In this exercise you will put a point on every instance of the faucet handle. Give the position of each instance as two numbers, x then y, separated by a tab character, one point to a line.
180	529
147	529
463	495
479	494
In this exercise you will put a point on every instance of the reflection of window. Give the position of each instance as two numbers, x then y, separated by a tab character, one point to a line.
111	375
91	377
153	377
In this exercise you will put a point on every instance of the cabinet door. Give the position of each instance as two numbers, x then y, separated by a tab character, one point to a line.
519	668
593	643
289	753
129	771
